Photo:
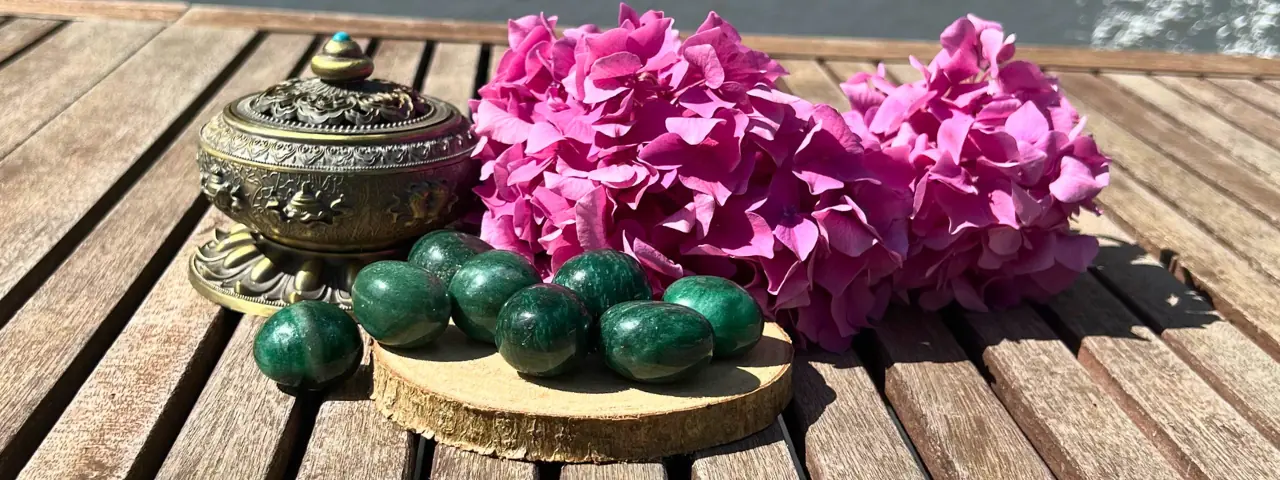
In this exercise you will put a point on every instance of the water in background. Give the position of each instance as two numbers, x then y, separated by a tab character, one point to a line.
1231	26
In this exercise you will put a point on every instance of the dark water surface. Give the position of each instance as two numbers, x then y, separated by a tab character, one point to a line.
1234	26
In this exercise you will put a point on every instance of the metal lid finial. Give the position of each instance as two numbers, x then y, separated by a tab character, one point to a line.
341	60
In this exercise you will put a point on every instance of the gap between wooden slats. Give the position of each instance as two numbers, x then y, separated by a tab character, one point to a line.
1248	296
21	34
1256	239
1237	368
1242	114
1242	147
840	424
243	425
1079	431
825	425
1104	99
614	471
453	464
1252	91
1048	393
349	436
45	80
53	342
766	454
153	350
809	77
47	215
452	76
1194	427
938	429
944	403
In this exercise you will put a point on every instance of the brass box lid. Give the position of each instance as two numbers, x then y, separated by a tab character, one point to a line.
342	106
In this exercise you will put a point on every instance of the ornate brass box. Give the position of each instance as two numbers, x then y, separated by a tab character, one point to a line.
324	175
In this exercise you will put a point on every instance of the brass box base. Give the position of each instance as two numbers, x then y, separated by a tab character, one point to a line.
246	272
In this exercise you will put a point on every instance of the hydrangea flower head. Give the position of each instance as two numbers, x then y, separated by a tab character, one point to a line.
1001	165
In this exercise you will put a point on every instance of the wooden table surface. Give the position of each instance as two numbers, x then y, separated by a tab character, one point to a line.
1161	362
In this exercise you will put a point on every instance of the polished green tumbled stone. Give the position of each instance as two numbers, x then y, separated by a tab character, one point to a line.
443	252
543	330
604	278
482	285
308	345
655	342
400	304
734	315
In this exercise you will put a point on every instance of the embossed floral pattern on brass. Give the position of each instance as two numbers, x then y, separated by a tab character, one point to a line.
319	103
306	206
324	174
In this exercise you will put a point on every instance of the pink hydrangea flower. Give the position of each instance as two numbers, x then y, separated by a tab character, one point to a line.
683	155
1000	163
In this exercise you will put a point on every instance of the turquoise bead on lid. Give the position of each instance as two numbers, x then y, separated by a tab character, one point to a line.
341	36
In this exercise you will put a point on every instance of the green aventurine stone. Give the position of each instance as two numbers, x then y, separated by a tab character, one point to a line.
655	342
308	345
443	252
604	278
482	285
400	304
543	330
734	315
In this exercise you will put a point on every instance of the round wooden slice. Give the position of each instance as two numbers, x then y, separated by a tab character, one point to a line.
463	394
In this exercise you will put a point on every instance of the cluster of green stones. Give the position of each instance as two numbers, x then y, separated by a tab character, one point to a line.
599	299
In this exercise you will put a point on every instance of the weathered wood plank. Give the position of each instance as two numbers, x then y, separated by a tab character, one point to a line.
1098	98
64	67
451	76
50	345
1251	91
944	404
843	69
762	455
902	72
801	46
808	76
21	32
614	471
79	144
355	24
154	354
846	429
114	9
1236	368
453	464
1240	145
1249	298
242	426
1195	427
1079	431
1250	234
397	60
1243	115
132	406
350	437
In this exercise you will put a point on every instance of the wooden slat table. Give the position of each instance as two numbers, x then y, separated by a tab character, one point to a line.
1161	362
